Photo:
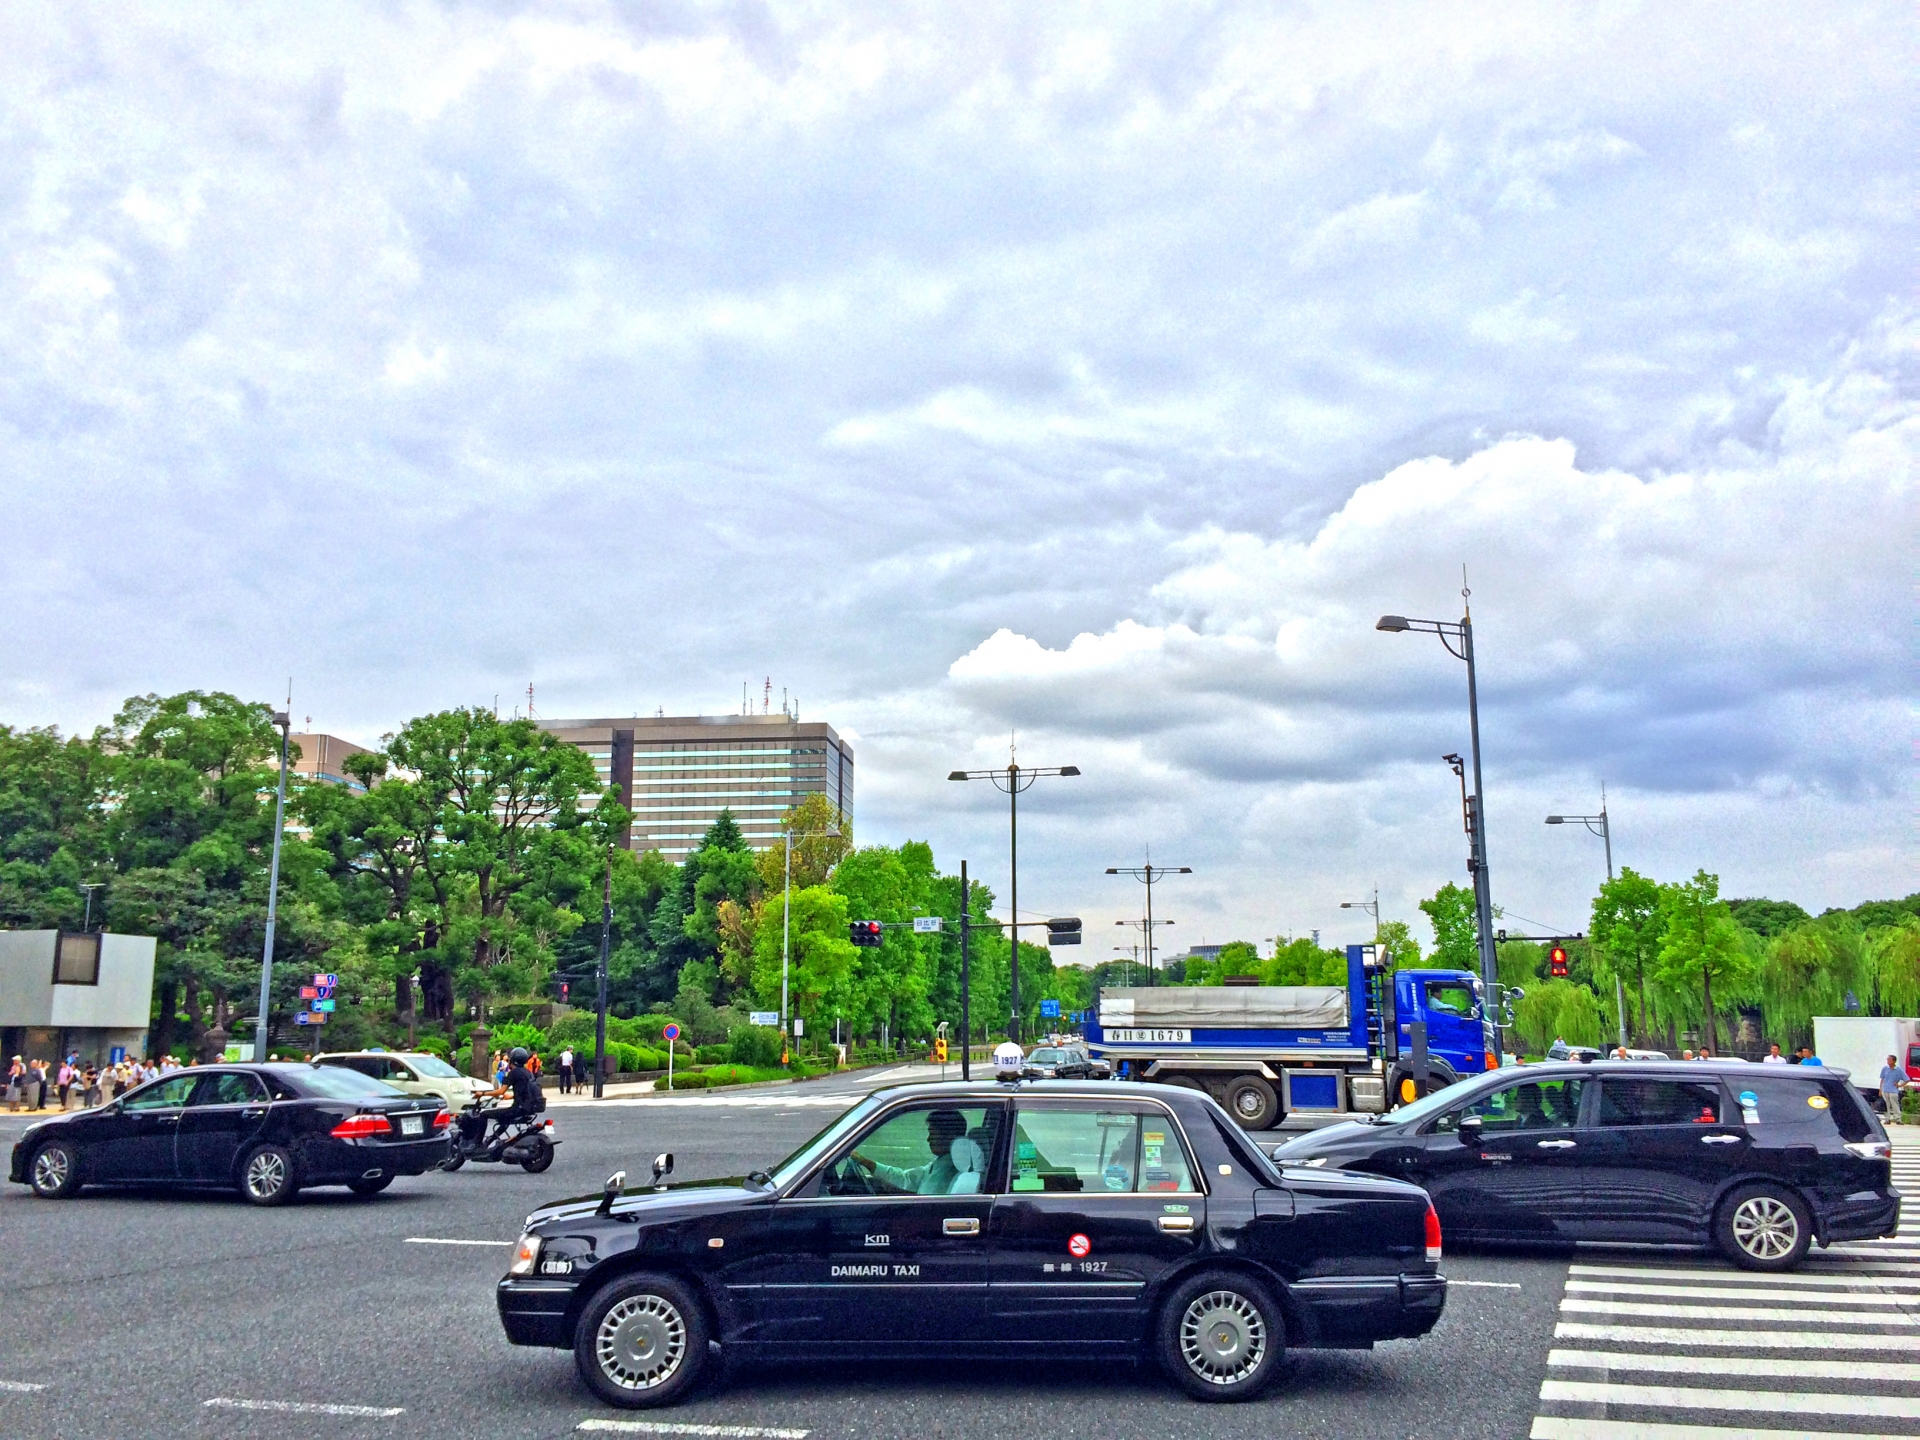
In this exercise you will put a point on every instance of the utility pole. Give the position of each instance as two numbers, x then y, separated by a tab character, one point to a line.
1605	832
284	719
600	977
966	998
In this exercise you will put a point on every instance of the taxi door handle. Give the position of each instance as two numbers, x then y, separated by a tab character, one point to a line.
1719	1139
253	1113
1175	1222
963	1226
1556	1144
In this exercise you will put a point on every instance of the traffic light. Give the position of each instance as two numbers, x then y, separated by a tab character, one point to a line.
1065	931
940	1052
1557	962
866	932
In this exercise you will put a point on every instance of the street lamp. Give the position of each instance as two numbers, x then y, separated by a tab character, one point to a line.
1605	833
1449	631
1148	873
1011	781
1372	907
284	720
1147	927
86	923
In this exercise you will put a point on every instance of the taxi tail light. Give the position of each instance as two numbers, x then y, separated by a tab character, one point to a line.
362	1127
525	1255
1870	1149
441	1120
1433	1233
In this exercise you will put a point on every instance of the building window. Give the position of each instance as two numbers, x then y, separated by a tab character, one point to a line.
76	959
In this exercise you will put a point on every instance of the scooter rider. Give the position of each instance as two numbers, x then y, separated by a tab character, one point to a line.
525	1103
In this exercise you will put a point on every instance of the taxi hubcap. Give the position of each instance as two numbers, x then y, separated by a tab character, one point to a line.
50	1168
265	1173
1765	1227
1223	1337
641	1342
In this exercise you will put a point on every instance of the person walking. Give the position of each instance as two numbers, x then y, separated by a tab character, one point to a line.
566	1071
39	1084
1891	1077
90	1088
16	1083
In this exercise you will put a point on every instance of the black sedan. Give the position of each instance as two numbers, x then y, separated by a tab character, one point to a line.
1059	1062
1028	1219
1760	1160
267	1130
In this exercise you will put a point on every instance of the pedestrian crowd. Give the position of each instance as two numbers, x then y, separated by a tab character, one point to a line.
74	1084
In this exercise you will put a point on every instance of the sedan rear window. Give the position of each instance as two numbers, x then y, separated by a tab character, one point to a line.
1659	1102
336	1082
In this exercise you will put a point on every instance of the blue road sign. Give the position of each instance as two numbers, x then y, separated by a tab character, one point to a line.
1050	1008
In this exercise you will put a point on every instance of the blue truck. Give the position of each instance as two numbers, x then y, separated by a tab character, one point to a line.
1266	1050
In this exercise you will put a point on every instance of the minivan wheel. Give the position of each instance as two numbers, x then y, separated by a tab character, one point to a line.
267	1176
55	1171
1762	1227
1221	1337
641	1342
1251	1101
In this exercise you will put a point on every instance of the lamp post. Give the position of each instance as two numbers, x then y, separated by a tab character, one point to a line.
285	721
1148	873
786	933
1011	781
1132	952
1605	833
1147	927
600	985
1462	631
1372	907
86	923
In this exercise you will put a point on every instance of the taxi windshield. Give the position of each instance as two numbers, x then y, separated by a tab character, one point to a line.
1047	1057
791	1168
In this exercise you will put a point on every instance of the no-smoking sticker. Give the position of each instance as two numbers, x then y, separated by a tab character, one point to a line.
1078	1247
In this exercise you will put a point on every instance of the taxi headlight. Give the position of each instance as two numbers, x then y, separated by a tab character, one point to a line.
525	1255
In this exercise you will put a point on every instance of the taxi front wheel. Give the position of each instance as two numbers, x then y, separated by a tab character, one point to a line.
641	1342
1221	1337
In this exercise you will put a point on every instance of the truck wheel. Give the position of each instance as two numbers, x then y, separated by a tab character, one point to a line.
1251	1101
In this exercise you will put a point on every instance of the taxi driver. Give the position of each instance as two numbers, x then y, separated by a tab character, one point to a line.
940	1174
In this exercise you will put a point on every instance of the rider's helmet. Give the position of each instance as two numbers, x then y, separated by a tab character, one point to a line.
520	1055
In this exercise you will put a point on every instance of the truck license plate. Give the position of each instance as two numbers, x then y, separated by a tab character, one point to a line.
412	1125
1148	1037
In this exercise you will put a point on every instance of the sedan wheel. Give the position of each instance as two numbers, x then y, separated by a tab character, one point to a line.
267	1177
1762	1228
1221	1337
642	1341
55	1172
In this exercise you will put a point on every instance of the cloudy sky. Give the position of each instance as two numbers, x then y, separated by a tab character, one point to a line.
1093	373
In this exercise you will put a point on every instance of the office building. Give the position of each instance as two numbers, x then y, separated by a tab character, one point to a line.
322	758
677	773
61	992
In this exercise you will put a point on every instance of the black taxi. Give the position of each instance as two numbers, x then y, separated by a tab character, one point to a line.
990	1218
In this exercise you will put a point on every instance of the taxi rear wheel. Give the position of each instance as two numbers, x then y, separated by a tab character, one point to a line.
1221	1337
641	1342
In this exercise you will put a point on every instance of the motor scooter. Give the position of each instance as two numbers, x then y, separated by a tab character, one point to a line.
526	1143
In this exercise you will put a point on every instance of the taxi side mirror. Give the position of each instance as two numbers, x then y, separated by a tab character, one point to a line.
616	1182
662	1167
1469	1131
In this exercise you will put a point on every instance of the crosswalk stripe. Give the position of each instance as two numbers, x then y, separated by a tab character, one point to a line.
1779	1402
1735	1292
1556	1427
1637	1272
1611	1361
1733	1339
1732	1312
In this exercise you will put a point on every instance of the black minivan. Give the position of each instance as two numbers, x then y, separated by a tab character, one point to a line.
1760	1160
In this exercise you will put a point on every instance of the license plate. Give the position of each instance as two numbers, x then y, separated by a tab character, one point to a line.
1147	1037
413	1124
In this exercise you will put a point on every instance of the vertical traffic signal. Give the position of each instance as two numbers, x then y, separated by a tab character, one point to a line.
1557	962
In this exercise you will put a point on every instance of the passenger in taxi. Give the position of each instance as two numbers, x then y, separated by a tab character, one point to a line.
953	1170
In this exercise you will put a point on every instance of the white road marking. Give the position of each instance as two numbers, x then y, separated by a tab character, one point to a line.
1779	1402
665	1427
1484	1284
20	1387
433	1240
1733	1339
1735	1292
1615	1360
1556	1427
1885	1282
305	1407
1731	1312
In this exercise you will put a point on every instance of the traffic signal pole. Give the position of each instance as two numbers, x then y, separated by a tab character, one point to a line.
966	999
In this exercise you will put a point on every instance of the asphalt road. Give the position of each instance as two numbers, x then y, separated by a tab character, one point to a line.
135	1310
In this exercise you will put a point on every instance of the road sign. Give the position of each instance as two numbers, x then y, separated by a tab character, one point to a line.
926	924
310	1017
323	992
327	980
764	1017
799	1027
1050	1008
325	1007
670	1031
309	992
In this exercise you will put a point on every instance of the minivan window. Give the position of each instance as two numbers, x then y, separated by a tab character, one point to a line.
1552	1104
1659	1102
1828	1104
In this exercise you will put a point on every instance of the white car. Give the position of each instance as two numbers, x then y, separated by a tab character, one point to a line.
412	1072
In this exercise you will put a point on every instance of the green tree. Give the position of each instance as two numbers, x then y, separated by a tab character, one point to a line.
1701	944
1455	933
1579	1020
1896	964
1521	963
1397	938
1626	928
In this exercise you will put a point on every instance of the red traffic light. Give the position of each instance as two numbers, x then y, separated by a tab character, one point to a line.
866	932
1557	962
